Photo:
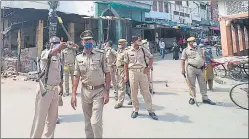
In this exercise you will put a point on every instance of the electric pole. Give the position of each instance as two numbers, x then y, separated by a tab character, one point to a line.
52	18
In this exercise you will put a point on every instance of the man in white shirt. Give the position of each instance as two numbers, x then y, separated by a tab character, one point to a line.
162	47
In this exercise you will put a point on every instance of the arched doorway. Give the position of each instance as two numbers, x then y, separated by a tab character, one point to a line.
114	26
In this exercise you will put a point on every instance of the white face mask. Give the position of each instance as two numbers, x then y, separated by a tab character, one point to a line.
195	44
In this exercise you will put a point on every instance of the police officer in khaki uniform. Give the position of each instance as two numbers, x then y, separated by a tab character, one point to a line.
120	73
92	69
111	59
195	66
136	72
46	104
68	58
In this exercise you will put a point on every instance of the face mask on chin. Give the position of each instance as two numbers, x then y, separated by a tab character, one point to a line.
56	45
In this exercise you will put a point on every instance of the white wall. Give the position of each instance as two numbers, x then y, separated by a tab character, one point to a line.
156	14
76	7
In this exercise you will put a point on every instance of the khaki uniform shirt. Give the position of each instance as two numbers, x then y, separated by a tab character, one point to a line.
91	68
135	58
120	57
68	56
110	56
194	56
54	77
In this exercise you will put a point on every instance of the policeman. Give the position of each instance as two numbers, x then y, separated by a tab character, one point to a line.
92	69
68	58
136	71
195	65
144	46
46	104
120	73
111	60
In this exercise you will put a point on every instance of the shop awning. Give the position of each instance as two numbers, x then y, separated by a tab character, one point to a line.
130	6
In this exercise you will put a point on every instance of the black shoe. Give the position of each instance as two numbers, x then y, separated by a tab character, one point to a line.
191	101
134	114
116	98
117	106
208	101
115	92
129	103
153	116
58	121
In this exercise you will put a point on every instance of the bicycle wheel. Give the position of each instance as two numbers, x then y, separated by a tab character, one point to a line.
220	71
236	73
239	95
245	68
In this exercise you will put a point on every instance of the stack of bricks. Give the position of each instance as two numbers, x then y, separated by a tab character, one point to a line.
27	62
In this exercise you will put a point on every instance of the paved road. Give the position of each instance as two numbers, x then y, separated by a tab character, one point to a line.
176	117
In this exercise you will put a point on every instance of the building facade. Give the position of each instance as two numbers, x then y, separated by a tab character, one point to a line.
233	18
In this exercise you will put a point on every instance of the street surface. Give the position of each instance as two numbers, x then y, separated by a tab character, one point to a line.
177	119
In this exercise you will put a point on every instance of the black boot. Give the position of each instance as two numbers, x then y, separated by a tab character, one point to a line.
208	101
153	116
191	101
134	114
129	103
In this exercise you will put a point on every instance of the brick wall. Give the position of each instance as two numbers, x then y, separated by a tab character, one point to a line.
235	7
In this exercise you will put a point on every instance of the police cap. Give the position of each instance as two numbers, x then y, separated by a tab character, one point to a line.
190	39
87	34
121	40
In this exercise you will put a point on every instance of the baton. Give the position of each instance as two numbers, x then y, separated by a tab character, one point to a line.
63	27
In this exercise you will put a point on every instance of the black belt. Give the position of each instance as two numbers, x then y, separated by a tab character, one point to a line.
202	67
93	87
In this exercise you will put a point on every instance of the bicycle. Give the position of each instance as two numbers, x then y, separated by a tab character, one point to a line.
234	69
239	95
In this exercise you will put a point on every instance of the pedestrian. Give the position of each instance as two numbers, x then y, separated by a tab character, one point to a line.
121	74
176	50
136	71
91	68
110	54
162	47
195	65
46	103
68	57
209	71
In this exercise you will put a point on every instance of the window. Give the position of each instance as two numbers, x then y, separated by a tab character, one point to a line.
186	15
160	6
176	13
178	2
154	8
181	14
166	7
187	3
203	7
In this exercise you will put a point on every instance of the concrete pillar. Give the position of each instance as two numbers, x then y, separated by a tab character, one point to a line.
241	39
226	37
71	31
235	40
246	37
39	37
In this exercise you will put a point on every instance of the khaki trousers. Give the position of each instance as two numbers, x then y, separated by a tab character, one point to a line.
149	79
139	79
46	113
66	77
92	105
113	77
192	75
121	86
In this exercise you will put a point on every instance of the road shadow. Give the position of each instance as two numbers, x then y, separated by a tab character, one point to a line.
165	93
159	82
168	117
225	104
143	106
72	118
